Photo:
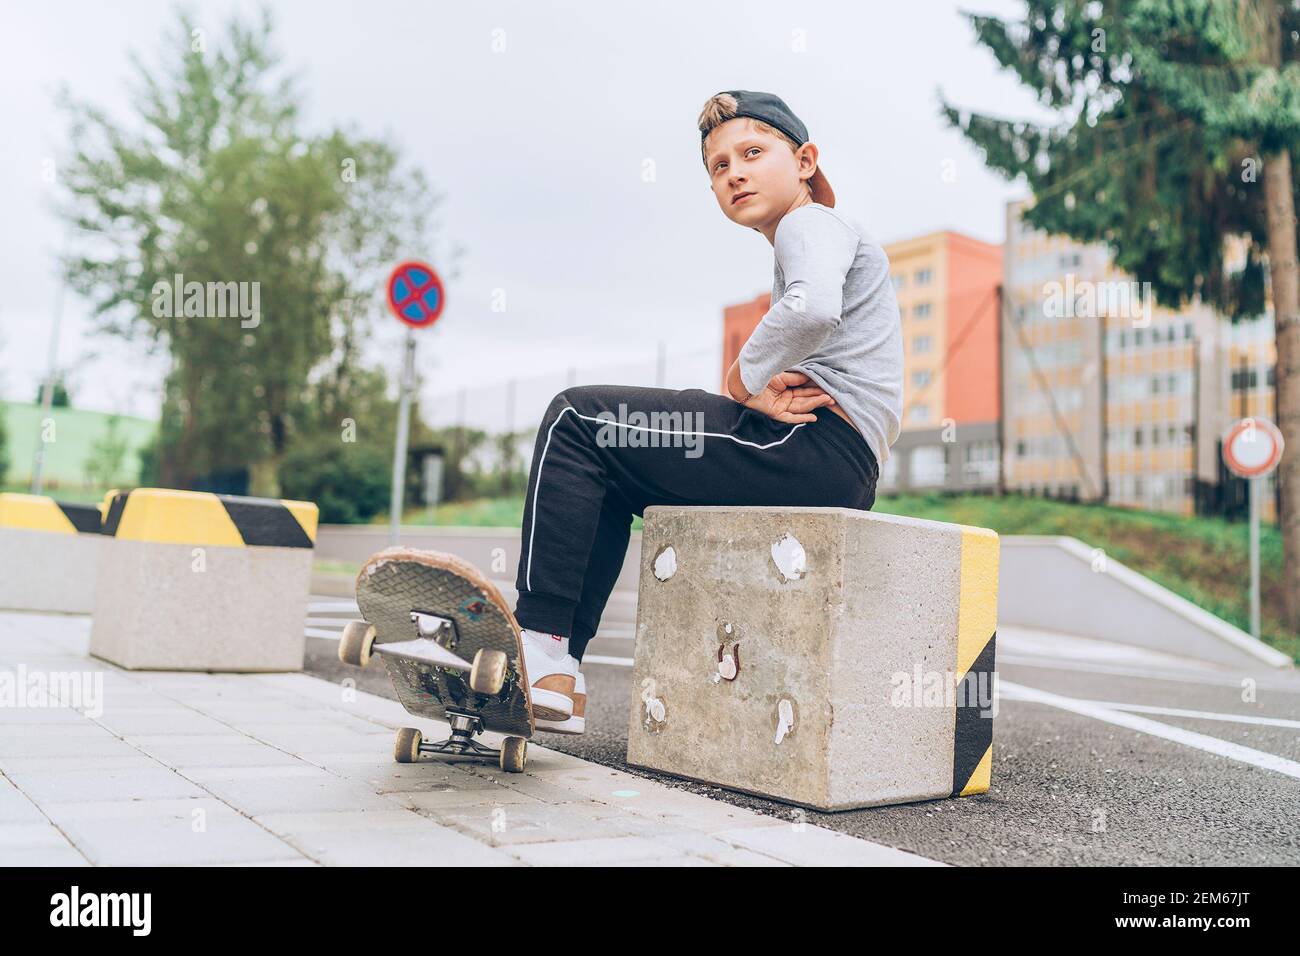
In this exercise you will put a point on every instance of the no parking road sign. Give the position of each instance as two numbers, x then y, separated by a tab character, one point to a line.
1252	448
415	294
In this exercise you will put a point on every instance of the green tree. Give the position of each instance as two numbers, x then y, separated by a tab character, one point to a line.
1171	112
348	482
103	466
4	447
59	398
216	182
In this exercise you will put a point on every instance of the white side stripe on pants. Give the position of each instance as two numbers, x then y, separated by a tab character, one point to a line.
528	567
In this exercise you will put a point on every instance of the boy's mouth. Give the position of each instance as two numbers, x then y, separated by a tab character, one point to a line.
740	197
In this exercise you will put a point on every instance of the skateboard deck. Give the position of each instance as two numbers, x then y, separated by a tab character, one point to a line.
432	613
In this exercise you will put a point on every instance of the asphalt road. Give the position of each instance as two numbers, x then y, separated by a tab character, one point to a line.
1103	754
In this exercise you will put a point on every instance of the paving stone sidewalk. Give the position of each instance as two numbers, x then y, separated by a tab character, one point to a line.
169	768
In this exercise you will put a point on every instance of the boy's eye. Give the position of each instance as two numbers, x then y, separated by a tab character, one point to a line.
722	162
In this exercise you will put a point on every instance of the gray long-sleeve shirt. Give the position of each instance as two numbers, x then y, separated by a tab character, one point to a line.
834	317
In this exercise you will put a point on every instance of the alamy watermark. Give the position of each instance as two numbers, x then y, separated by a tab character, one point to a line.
208	300
657	429
978	689
81	690
1085	299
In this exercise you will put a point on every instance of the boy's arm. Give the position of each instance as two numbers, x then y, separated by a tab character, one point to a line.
815	251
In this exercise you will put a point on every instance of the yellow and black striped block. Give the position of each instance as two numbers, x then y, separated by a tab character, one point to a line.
977	621
167	516
38	513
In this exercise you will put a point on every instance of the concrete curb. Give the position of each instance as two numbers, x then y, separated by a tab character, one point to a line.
1115	603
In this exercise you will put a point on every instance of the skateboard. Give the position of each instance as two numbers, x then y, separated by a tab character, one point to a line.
452	649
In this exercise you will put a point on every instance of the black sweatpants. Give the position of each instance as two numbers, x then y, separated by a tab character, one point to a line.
607	452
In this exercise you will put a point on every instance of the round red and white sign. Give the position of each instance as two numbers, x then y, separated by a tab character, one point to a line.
1252	448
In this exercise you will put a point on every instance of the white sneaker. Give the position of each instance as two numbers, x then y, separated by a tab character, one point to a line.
577	723
551	681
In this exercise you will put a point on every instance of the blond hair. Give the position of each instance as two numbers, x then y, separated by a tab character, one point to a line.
723	107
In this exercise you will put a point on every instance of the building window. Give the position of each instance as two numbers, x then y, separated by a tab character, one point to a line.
898	280
1123	339
929	465
1155	384
921	344
920	413
1187	331
921	378
981	466
921	311
1137	337
1020	449
1137	438
923	277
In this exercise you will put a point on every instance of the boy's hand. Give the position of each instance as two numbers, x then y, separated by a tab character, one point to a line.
786	397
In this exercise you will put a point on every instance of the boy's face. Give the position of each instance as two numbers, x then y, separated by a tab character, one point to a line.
743	160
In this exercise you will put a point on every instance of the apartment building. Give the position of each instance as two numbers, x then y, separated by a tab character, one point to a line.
947	288
1108	397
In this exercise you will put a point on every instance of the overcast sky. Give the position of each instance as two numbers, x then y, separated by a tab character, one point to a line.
540	150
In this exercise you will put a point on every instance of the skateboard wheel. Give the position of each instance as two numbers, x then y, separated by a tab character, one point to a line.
514	754
489	672
356	643
406	749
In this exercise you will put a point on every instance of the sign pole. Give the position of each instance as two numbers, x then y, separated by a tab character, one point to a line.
416	296
1251	450
1254	556
403	431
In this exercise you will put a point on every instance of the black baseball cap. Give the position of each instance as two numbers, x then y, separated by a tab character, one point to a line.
771	109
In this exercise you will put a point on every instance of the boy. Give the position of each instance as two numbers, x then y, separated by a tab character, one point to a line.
831	341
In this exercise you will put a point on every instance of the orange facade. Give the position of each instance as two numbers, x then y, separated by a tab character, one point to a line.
974	278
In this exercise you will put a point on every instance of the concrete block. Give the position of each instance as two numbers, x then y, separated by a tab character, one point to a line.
196	581
49	554
827	657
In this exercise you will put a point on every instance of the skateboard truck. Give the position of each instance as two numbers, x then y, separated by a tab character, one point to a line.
461	741
431	626
410	744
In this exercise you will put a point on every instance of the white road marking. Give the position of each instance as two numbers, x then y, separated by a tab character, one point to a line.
1262	681
1198	714
317	632
600	659
335	622
1107	713
330	607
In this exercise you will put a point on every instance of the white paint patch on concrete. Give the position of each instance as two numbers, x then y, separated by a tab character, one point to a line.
727	667
666	564
789	557
784	719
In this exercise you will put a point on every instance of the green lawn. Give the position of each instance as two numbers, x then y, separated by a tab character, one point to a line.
1202	559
